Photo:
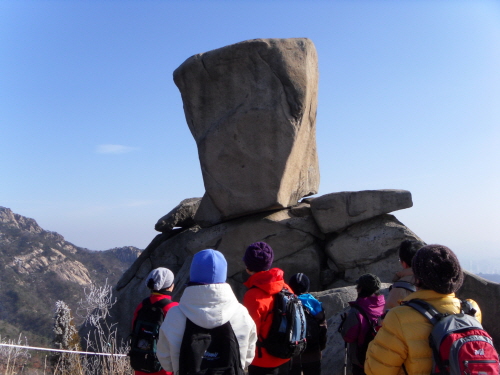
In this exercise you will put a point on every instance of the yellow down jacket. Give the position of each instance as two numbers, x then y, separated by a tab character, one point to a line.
404	337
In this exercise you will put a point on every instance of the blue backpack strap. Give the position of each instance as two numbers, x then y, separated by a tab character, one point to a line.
404	285
434	316
426	309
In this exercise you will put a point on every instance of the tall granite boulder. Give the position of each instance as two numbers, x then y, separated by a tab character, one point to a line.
251	108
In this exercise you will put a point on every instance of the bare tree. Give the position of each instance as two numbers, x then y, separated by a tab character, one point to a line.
12	359
94	308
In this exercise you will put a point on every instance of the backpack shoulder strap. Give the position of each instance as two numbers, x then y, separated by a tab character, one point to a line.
365	315
404	285
163	302
426	309
467	307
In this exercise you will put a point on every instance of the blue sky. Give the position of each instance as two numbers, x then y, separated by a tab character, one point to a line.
95	146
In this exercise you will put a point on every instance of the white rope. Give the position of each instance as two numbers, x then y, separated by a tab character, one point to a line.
62	351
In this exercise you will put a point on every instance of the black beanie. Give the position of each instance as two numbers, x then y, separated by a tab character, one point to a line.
368	284
299	283
436	267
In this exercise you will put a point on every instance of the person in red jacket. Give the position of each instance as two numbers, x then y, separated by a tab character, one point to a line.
263	283
161	283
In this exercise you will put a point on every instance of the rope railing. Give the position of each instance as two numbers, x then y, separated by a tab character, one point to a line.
62	350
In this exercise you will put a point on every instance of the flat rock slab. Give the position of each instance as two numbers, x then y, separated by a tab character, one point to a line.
336	211
251	108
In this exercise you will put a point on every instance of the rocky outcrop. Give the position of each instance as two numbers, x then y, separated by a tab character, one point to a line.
251	108
43	261
298	243
487	295
360	247
335	211
181	216
12	220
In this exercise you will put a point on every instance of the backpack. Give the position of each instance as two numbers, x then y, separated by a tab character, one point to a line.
373	328
315	332
145	336
209	351
404	285
287	335
459	343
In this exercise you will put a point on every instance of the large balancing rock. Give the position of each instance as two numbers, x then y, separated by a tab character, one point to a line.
251	108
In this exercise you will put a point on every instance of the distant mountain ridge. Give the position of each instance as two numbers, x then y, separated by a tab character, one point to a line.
39	267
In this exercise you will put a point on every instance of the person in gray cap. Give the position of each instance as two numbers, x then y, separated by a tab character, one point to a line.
161	283
364	315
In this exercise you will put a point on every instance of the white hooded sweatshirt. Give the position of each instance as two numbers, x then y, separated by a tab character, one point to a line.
208	306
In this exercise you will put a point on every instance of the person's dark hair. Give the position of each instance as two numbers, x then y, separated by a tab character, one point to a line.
367	285
436	267
407	251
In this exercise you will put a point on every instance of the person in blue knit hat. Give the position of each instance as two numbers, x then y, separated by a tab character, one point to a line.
208	302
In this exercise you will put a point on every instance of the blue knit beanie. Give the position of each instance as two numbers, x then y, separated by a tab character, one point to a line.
208	267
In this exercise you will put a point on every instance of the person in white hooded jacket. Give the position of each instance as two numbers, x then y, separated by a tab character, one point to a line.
209	302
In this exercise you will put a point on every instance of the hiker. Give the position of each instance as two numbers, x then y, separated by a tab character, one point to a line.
161	283
362	320
209	327
309	362
402	343
264	282
404	281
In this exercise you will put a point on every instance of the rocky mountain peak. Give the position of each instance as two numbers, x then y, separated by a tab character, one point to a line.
13	220
39	265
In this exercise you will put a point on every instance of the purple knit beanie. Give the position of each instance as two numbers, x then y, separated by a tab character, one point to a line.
259	256
436	267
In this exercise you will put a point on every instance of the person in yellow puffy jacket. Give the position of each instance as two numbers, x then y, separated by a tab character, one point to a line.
402	344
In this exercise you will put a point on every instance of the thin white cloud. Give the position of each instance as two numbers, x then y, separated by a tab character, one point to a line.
114	149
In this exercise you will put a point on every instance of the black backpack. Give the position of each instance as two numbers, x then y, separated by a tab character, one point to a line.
145	336
370	334
287	335
209	351
316	331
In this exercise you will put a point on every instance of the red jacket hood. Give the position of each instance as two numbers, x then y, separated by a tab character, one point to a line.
270	281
